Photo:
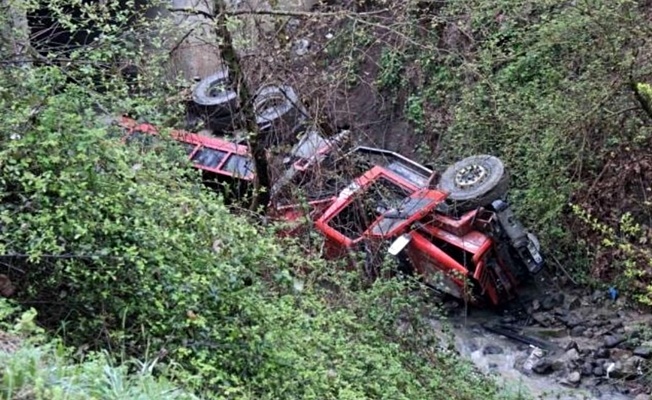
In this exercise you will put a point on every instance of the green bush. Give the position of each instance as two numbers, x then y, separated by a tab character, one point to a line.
34	368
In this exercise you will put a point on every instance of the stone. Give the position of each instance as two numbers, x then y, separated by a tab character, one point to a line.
542	366
617	324
570	320
543	319
587	369
611	341
571	355
598	296
589	333
614	370
492	349
574	378
301	47
598	371
578	331
630	367
643	352
642	396
552	301
536	305
602	353
572	345
574	303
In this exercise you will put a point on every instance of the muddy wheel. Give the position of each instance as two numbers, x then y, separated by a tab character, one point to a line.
475	181
214	97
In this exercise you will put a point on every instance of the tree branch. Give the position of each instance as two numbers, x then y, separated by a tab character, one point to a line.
282	13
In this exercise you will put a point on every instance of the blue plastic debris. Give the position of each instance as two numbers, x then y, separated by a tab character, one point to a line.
613	293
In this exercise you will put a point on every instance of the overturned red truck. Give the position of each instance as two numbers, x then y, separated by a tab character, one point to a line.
454	230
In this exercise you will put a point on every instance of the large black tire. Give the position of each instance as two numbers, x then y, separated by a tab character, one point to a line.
474	182
278	109
214	97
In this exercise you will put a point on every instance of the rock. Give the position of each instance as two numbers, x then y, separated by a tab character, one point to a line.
552	301
542	366
301	47
614	370
587	369
617	324
574	378
572	345
602	353
642	396
598	296
631	366
570	320
492	349
611	341
589	333
536	305
574	303
543	319
560	312
571	355
578	331
643	352
598	371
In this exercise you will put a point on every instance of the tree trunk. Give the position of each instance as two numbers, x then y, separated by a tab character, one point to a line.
256	141
188	31
14	32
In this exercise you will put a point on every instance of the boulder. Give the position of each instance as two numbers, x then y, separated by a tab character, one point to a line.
552	300
631	366
574	303
574	378
598	371
602	352
542	366
578	331
643	352
611	341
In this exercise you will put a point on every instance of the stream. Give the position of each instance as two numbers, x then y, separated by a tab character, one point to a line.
588	346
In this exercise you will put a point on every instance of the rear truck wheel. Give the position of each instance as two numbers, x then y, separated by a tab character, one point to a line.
278	110
214	99
474	182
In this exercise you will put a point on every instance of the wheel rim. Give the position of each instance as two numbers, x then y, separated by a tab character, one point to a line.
470	176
